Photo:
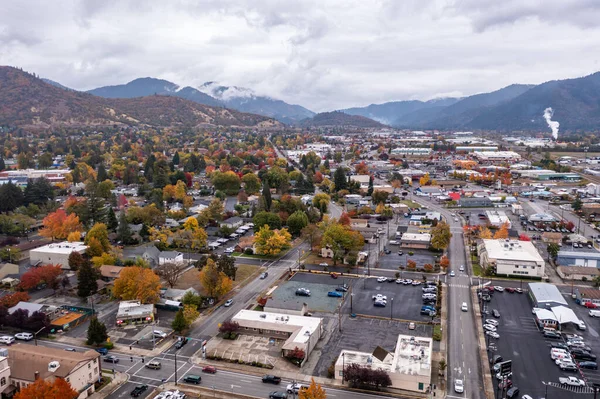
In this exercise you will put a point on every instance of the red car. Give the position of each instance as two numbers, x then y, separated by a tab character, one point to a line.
590	305
509	289
209	369
333	275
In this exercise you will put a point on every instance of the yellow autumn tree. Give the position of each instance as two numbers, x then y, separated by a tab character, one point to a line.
502	232
137	283
74	236
190	313
214	282
485	233
314	391
271	242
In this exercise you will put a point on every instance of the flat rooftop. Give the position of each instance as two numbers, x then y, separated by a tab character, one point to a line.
304	326
416	237
512	250
62	247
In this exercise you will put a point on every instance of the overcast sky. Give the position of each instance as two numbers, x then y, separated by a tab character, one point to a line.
322	54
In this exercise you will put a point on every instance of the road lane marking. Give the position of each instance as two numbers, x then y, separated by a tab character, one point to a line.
249	382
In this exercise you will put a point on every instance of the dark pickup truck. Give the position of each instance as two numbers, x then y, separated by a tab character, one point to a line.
271	379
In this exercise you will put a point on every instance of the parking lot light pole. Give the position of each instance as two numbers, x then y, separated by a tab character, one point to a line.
351	296
546	390
392	308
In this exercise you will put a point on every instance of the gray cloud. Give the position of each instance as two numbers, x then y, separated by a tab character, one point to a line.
323	54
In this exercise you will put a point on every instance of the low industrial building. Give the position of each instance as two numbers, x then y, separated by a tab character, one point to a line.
412	151
297	331
545	296
409	366
412	240
56	254
587	295
583	259
498	219
497	156
80	369
541	218
580	273
511	258
134	312
475	202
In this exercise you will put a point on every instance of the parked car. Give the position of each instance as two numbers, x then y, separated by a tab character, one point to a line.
513	392
228	303
333	275
278	395
324	264
159	334
111	359
303	292
493	322
181	341
499	288
154	365
138	390
263	275
552	335
342	288
489	327
411	326
379	297
335	294
493	334
271	379
25	336
209	369
381	279
588	365
518	290
510	289
380	303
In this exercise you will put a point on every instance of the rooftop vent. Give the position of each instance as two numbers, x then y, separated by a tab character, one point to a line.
263	316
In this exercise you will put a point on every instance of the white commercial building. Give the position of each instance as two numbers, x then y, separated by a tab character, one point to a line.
296	331
56	254
409	366
497	156
498	218
511	258
419	151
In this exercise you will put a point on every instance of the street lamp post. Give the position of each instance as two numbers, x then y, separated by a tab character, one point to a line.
351	296
545	390
391	308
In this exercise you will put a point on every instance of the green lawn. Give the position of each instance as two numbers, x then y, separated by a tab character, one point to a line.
476	269
411	204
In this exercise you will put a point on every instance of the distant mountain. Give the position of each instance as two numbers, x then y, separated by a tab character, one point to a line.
576	105
210	93
338	118
56	84
27	101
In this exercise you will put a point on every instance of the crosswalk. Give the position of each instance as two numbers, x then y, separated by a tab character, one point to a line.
459	285
585	389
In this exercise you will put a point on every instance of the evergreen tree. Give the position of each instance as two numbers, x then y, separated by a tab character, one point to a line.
179	324
11	197
102	175
176	158
2	164
96	334
123	231
87	276
370	189
145	232
160	176
149	167
76	260
111	220
267	195
201	164
95	204
339	179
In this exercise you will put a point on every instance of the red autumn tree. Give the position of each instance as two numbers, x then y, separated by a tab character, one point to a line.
44	274
344	219
42	389
8	301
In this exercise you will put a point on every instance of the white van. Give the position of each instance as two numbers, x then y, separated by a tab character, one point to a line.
7	340
594	313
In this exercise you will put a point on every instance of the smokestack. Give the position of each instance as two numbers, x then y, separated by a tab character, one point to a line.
553	125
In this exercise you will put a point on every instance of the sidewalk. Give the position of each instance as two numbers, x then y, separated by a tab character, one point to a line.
117	379
123	349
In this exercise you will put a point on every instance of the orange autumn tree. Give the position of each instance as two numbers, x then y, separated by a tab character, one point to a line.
42	389
58	225
502	232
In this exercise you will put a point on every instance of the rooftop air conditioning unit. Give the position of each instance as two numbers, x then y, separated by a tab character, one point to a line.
263	316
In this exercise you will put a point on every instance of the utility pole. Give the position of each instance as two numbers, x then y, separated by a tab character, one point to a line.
175	368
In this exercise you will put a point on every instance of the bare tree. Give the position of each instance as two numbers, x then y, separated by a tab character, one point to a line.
170	272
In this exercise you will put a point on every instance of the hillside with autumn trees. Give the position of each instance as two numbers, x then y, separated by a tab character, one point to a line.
29	102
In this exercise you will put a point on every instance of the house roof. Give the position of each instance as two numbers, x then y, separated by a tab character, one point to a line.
169	254
231	220
110	271
29	306
25	360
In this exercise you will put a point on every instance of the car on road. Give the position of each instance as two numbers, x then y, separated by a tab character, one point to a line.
333	275
324	264
552	335
461	268
192	379
335	294
495	313
138	390
459	386
381	279
154	365
571	381
67	349
411	326
24	336
452	274
209	369
387	251
464	307
229	250
181	341
295	388
228	303
518	290
111	359
263	275
400	253
489	327
303	292
278	395
493	334
499	288
271	379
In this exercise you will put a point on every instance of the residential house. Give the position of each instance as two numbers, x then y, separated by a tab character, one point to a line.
110	273
170	257
9	270
150	255
232	222
31	307
28	363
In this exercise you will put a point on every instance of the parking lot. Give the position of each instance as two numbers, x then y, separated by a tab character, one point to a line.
393	261
522	342
318	284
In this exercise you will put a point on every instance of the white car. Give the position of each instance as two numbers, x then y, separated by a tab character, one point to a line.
452	274
381	279
228	303
7	340
323	264
294	388
459	387
461	268
379	297
464	307
159	334
25	336
493	334
499	288
493	322
489	327
229	250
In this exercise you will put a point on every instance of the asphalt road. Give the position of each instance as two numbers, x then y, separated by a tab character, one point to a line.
463	357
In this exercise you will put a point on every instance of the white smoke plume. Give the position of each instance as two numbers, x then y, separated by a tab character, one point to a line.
553	125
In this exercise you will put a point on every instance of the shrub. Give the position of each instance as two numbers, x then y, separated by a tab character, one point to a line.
108	345
249	251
